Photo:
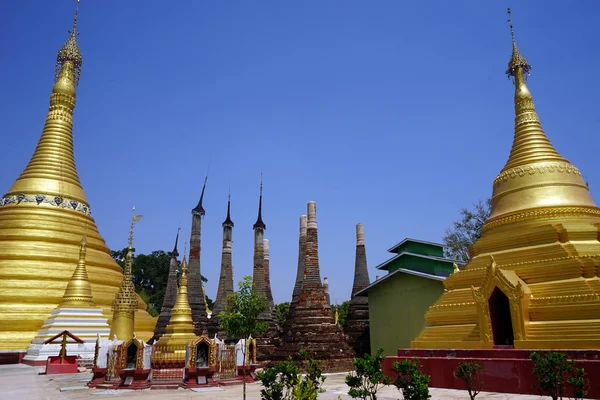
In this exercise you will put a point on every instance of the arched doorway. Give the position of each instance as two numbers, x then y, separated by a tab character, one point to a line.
132	352
502	328
202	355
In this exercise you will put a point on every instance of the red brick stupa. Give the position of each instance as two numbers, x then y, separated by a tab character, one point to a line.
311	325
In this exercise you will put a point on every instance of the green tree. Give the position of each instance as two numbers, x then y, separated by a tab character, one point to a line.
410	381
470	374
282	310
552	370
150	273
342	311
365	382
464	232
240	318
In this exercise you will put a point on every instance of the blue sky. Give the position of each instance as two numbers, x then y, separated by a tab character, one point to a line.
393	114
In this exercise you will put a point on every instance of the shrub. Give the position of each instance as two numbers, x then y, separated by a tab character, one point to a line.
282	381
552	371
470	374
410	381
366	380
580	383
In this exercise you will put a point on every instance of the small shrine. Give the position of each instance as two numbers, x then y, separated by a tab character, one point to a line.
63	363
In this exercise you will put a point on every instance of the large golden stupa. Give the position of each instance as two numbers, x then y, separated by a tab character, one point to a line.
533	279
42	219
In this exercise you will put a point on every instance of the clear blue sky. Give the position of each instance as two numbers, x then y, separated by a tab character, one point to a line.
393	114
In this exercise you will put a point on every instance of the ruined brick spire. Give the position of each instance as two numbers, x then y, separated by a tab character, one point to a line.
170	294
267	267
226	277
311	325
259	280
301	257
357	320
326	288
194	286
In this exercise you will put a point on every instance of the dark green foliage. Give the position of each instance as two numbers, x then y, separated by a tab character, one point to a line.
466	231
470	373
410	381
150	273
580	383
282	310
553	371
284	382
342	311
368	377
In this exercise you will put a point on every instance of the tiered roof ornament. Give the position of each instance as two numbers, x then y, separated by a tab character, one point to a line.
70	51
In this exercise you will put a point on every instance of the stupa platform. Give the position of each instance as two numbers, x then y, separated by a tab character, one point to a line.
506	370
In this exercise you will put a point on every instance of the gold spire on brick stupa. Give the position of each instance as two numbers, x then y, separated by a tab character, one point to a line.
42	219
126	302
532	281
180	331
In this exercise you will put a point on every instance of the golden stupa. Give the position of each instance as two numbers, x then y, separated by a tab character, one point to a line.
42	219
532	281
180	330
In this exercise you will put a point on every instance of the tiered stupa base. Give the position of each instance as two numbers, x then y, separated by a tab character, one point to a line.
85	323
357	329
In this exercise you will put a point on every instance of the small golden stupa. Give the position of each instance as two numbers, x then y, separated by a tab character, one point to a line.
533	279
42	219
125	303
180	331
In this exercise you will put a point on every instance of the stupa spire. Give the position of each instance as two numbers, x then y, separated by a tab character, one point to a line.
170	293
301	261
199	209
226	275
79	291
535	175
259	222
530	143
125	302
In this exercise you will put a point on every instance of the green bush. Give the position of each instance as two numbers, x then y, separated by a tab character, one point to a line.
365	381
410	381
470	373
283	381
553	371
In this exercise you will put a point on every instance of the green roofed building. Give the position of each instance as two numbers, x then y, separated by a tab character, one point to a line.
399	300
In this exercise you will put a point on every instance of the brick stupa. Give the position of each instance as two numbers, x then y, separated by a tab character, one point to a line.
311	325
226	278
357	320
195	292
170	295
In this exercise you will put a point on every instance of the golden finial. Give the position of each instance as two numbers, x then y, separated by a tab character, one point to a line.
79	291
517	60
134	219
456	269
69	52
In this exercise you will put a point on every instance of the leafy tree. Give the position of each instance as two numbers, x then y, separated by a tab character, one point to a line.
580	383
368	376
342	311
282	310
150	273
240	318
410	381
552	370
470	373
464	232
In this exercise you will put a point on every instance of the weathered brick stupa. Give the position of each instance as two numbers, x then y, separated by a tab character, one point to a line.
43	217
533	278
301	260
267	267
170	294
267	341
195	293
357	320
226	277
310	324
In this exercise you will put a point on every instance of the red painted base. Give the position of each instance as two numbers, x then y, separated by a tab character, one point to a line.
98	377
12	357
54	365
505	370
192	374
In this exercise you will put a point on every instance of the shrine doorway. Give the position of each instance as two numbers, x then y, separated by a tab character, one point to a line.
202	355
132	352
501	320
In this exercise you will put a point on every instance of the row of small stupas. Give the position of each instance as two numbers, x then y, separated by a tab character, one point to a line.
43	218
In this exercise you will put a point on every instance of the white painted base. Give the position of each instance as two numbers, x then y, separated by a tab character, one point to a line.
85	323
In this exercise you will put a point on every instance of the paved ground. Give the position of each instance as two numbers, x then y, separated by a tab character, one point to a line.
23	382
